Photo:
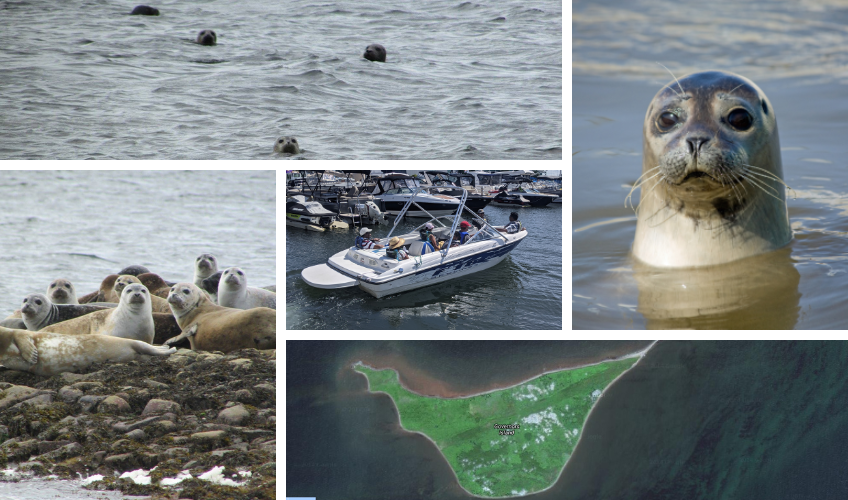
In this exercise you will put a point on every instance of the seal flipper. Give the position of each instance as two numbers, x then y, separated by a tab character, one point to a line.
186	334
25	344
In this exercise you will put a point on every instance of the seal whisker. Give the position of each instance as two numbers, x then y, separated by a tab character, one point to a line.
762	188
682	94
766	173
630	194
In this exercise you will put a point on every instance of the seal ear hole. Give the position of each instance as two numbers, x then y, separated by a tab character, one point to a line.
765	106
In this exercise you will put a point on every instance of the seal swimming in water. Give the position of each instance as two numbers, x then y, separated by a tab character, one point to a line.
234	292
144	10
287	144
712	188
375	52
39	312
133	318
47	354
207	37
210	327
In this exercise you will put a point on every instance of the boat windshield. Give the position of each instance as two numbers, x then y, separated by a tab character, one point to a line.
399	186
400	191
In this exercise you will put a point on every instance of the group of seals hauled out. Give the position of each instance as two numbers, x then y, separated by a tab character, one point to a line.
712	177
45	337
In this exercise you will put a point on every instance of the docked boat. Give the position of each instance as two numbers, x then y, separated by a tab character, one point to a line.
380	275
453	185
393	191
516	189
311	215
550	185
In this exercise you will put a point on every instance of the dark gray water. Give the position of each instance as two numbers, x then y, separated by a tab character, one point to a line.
85	225
794	52
524	291
463	80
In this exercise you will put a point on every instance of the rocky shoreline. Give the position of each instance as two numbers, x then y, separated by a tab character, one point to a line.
199	425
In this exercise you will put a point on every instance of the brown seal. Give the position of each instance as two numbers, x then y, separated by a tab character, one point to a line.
214	328
712	191
105	294
157	286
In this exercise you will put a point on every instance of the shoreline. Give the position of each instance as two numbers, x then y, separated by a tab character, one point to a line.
638	354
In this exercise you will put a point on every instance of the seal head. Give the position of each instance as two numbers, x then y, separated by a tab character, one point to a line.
62	291
287	144
207	37
375	52
712	189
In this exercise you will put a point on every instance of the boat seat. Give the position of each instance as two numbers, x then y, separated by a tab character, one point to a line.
418	248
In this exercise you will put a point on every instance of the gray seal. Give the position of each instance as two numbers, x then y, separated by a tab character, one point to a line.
210	285
375	52
62	291
234	292
287	144
39	312
712	177
207	37
144	10
133	270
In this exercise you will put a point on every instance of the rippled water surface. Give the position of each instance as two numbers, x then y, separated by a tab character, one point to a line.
85	225
524	291
463	80
795	52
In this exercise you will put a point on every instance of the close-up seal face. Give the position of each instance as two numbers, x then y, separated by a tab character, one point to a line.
711	155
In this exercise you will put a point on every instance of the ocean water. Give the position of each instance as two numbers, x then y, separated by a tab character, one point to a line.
524	291
84	225
794	52
462	80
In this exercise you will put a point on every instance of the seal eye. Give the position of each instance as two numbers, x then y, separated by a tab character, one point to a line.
52	285
67	285
667	120
38	302
740	119
240	273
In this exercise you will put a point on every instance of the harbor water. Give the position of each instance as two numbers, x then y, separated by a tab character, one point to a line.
462	80
524	291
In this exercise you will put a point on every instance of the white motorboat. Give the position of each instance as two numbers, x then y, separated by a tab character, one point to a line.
380	275
393	191
311	215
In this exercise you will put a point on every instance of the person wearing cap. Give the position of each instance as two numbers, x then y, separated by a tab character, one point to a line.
395	250
429	237
464	226
364	241
482	215
514	225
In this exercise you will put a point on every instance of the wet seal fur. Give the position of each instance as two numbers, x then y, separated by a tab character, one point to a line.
133	318
47	354
712	189
210	327
234	292
144	10
207	37
287	144
39	312
375	52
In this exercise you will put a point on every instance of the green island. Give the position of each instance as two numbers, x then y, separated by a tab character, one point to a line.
508	442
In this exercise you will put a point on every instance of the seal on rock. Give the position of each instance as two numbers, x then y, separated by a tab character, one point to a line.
210	327
234	292
205	266
132	319
144	10
105	294
62	291
207	37
157	304
157	286
712	188
287	144
375	52
39	312
134	270
47	354
210	286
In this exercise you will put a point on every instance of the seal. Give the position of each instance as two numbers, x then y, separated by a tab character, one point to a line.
134	270
157	304
210	327
156	285
210	286
47	354
287	144
132	319
144	10
39	312
207	37
105	294
712	177
234	292
205	266
16	323
375	52
62	291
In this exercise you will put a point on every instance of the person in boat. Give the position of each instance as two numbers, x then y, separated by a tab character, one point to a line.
514	225
464	226
364	240
482	215
429	237
396	250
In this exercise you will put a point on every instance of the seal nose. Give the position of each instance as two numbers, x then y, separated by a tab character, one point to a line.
695	144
